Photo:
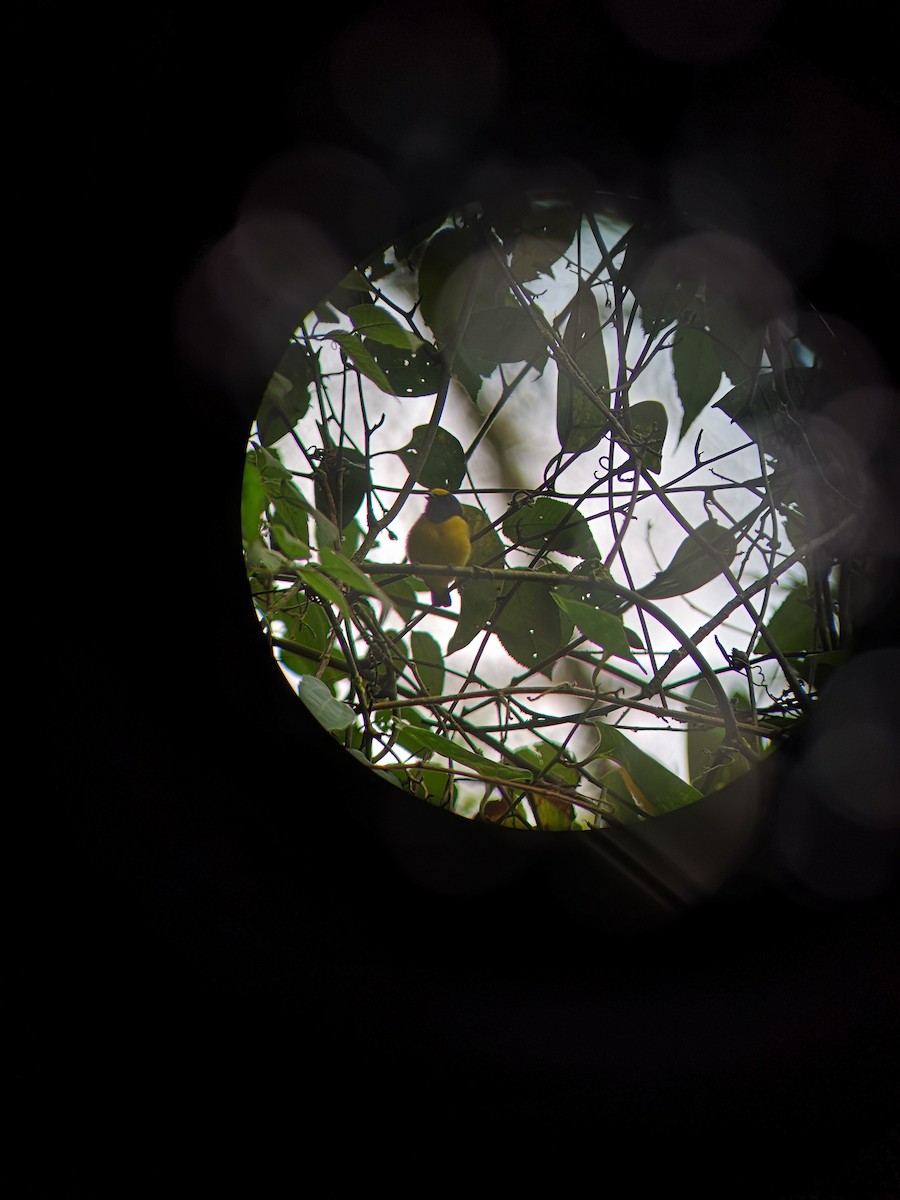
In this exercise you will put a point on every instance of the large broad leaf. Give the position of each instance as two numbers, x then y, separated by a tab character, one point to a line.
551	525
711	766
793	624
253	501
409	372
644	780
446	462
501	335
286	399
429	662
310	630
382	326
325	587
529	626
542	236
736	341
552	762
598	597
342	483
292	509
341	568
456	265
701	557
291	512
761	410
287	544
580	422
649	422
552	814
793	629
350	292
477	596
666	283
360	355
329	712
433	743
410	246
698	371
605	629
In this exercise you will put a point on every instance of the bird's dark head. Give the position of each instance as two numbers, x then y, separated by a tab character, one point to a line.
441	506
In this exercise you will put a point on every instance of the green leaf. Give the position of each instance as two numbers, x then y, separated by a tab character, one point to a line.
551	814
286	398
382	326
603	628
455	261
580	423
291	508
345	472
393	777
326	314
341	568
477	596
698	372
551	525
275	417
793	624
762	413
289	545
351	536
355	281
701	557
271	469
501	335
446	463
736	342
361	357
543	235
291	512
649	423
253	501
349	291
667	284
310	629
429	662
654	787
596	597
409	372
703	741
529	625
324	587
793	628
402	593
414	240
386	659
542	754
710	766
729	764
423	739
332	713
468	378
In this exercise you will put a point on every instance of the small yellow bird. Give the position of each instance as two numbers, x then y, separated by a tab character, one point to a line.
440	536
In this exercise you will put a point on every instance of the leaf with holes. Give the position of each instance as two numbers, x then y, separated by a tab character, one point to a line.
446	462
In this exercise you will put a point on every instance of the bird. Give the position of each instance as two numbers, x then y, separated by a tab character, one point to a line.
440	536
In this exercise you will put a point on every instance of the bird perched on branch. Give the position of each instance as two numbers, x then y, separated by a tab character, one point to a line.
439	537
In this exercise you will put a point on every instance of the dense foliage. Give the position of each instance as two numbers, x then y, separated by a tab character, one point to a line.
545	358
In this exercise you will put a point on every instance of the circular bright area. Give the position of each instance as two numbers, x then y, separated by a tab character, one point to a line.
658	485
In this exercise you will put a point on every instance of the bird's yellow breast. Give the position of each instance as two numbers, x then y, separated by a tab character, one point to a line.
444	542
